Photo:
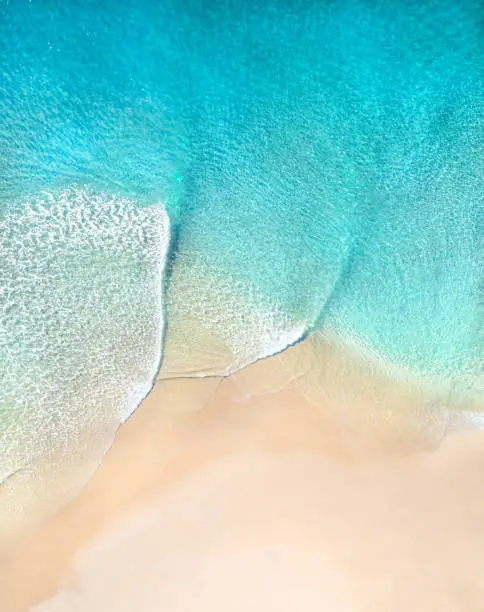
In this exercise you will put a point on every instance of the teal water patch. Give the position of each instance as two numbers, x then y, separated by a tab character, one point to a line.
87	96
339	171
323	159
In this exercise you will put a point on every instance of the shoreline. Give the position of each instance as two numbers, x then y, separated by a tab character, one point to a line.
276	408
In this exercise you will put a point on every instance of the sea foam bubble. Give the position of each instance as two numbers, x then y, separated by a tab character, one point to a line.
82	277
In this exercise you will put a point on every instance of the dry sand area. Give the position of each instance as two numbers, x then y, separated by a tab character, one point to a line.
240	494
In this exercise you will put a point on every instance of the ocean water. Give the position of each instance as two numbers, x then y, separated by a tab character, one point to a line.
188	186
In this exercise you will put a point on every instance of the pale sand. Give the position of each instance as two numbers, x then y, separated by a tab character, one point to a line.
239	494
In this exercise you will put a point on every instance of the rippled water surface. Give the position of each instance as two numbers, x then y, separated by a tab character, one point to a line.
321	168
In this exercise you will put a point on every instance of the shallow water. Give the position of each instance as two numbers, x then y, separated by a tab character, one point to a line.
321	167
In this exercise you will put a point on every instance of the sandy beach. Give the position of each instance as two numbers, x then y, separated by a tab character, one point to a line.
241	296
279	487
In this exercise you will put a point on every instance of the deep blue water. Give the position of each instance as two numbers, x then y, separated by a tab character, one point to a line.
321	164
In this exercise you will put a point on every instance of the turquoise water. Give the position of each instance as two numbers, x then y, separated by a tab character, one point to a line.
320	163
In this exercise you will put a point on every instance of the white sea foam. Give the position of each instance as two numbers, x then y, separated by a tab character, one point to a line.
218	325
82	305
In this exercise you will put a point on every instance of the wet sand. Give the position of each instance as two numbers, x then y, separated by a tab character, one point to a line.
242	494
